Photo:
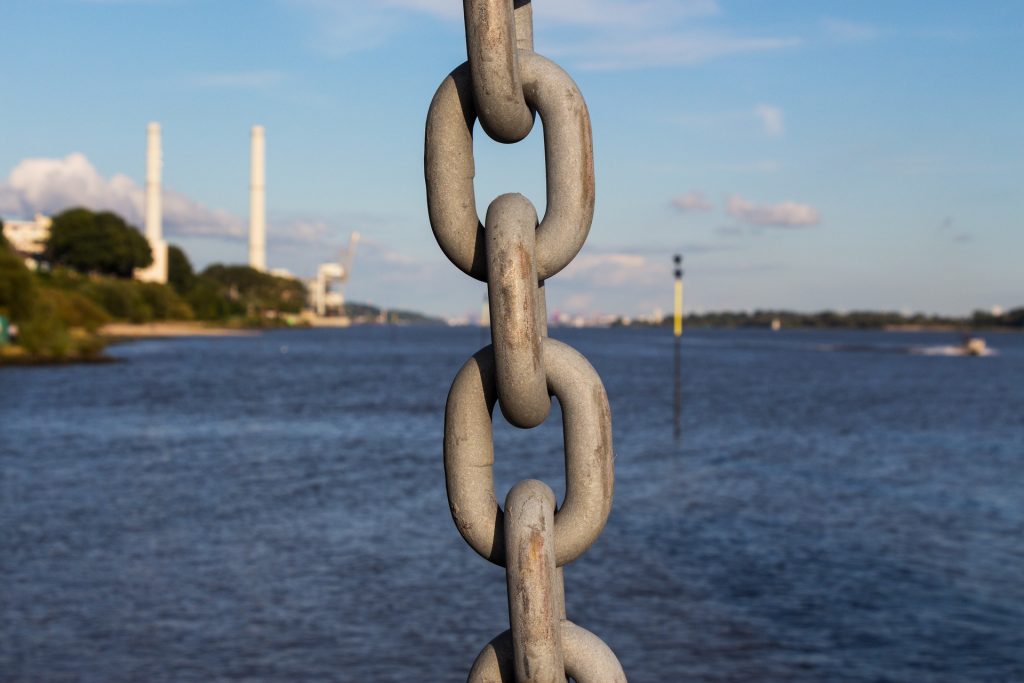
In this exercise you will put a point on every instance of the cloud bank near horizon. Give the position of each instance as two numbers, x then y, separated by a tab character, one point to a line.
788	214
49	186
694	200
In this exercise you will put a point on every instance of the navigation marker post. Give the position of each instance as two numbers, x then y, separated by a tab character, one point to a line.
677	329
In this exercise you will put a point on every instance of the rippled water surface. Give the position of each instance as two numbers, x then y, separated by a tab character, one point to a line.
273	508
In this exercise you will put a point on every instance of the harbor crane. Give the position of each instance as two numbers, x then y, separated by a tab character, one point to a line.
330	274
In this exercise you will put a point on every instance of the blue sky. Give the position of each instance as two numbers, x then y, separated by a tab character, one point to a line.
801	154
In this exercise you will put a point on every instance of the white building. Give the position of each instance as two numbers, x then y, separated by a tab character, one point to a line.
28	238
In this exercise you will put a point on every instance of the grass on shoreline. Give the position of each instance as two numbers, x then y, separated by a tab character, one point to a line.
60	315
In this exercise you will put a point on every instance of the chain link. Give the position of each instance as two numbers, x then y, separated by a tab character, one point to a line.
492	29
587	658
568	156
587	437
504	83
513	297
530	574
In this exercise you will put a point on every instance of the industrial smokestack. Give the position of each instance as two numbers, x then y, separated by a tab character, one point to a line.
154	162
156	271
258	202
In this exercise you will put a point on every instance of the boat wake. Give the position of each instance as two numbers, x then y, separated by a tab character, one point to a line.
938	350
952	350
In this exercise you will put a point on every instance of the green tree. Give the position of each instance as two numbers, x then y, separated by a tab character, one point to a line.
97	242
208	304
17	286
179	270
1014	318
255	292
44	334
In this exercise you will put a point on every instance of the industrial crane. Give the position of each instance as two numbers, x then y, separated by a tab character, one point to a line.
329	274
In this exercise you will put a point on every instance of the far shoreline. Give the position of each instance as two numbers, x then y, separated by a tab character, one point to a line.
169	329
122	333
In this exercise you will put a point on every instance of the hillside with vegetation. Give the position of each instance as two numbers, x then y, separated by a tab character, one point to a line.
58	312
367	314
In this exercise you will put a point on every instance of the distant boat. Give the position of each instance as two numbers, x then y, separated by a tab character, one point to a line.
968	346
776	324
975	346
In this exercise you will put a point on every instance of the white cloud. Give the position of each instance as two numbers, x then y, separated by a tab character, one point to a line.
694	200
343	28
612	51
602	261
623	13
612	269
625	278
593	34
771	119
612	13
786	214
300	230
767	117
52	185
374	249
239	80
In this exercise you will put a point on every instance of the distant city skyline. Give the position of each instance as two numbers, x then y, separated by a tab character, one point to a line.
802	155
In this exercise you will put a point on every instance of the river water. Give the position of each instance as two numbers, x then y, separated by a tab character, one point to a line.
838	508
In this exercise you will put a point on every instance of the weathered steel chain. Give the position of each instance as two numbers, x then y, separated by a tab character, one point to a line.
503	84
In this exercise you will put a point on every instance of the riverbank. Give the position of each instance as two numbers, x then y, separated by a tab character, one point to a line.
17	356
170	329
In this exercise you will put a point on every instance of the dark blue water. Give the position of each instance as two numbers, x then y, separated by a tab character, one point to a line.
273	508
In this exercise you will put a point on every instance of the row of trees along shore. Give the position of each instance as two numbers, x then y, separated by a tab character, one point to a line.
92	256
858	320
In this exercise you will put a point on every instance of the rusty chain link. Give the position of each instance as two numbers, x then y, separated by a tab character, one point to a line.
503	84
568	156
587	436
493	40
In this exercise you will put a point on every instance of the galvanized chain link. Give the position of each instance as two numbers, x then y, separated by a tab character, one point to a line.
504	83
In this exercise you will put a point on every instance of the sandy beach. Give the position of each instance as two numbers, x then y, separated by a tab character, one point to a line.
170	329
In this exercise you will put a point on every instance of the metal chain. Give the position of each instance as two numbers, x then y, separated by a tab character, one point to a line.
503	84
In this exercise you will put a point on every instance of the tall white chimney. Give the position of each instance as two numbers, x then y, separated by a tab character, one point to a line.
154	162
156	271
258	201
